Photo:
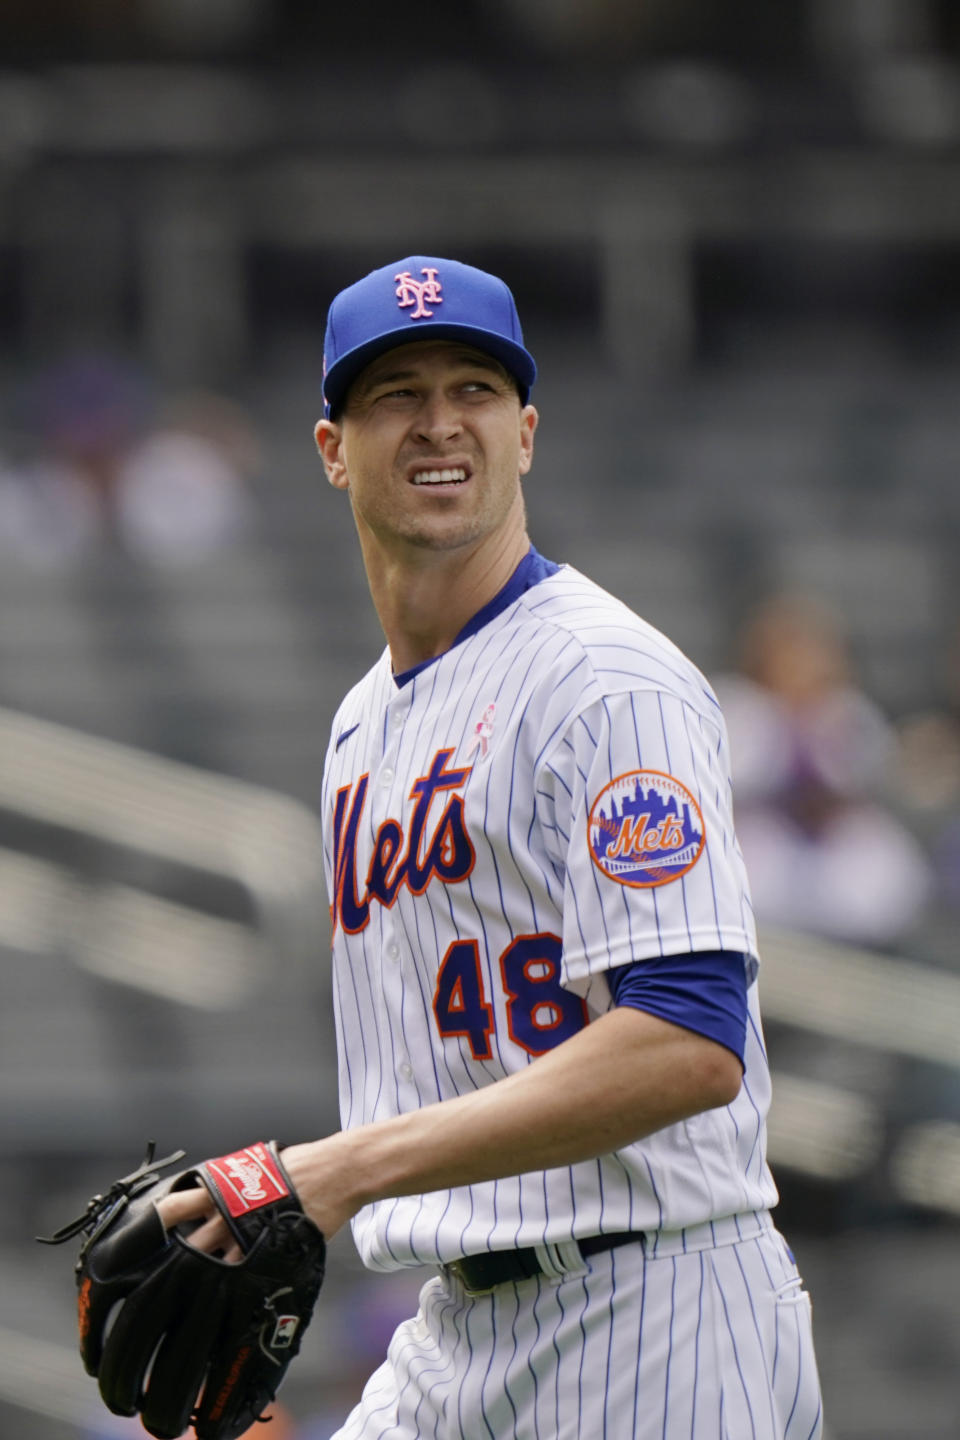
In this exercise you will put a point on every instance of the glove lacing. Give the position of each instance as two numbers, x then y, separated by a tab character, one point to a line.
102	1209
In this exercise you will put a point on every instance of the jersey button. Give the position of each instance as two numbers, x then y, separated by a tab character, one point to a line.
406	1070
393	951
386	779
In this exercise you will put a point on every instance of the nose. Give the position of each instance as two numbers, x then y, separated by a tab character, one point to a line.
439	419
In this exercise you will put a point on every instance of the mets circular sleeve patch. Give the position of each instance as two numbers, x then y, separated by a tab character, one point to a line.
645	828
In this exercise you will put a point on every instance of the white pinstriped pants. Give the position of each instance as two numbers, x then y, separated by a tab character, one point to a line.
689	1338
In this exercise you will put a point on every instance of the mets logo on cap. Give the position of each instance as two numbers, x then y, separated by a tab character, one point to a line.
645	829
419	293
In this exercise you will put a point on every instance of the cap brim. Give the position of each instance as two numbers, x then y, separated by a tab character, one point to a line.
513	357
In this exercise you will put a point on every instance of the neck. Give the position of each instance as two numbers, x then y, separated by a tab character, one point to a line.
424	601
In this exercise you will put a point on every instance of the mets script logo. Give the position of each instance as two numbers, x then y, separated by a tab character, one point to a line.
432	847
645	829
419	293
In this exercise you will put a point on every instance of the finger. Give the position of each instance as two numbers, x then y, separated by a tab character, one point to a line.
184	1205
213	1237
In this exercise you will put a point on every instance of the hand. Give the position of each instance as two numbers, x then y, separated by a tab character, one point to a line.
319	1172
212	1234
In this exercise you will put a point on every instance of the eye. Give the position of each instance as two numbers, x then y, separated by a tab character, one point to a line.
399	392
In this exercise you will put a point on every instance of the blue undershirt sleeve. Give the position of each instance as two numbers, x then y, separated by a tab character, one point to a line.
705	991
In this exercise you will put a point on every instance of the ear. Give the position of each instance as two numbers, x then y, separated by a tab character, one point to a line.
329	438
529	418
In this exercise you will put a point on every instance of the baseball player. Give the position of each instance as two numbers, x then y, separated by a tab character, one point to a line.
553	1080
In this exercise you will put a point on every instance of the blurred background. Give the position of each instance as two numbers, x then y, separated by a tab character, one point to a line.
734	235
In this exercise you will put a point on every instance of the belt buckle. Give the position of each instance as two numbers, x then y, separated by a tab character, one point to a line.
455	1268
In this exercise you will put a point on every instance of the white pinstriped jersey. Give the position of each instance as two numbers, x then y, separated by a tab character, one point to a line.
548	799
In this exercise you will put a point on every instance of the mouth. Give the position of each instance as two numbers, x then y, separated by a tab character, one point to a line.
449	475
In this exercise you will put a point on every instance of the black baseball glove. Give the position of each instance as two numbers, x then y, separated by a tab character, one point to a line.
195	1339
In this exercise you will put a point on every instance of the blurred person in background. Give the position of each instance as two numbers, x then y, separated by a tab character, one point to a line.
182	491
812	758
115	468
928	789
80	418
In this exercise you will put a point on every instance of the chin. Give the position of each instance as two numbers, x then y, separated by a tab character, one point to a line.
442	538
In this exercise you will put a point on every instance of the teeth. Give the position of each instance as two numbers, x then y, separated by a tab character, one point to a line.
439	477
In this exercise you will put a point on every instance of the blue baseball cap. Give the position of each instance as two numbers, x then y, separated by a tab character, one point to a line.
421	298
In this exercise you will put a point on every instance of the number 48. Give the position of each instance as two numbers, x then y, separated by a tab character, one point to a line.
541	1013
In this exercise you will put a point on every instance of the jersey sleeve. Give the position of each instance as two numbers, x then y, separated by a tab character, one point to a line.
636	807
705	992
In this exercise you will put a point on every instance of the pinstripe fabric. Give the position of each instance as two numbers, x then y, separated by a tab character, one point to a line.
473	928
583	691
711	1344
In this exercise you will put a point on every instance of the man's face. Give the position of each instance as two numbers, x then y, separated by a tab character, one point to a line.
431	446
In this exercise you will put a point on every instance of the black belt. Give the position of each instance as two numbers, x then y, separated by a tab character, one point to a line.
479	1273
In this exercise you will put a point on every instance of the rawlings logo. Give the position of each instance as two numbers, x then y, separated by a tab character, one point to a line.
250	1177
247	1179
645	829
419	293
412	859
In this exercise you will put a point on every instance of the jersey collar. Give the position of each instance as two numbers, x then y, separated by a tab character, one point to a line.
533	568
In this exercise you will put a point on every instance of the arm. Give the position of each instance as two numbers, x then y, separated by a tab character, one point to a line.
624	1076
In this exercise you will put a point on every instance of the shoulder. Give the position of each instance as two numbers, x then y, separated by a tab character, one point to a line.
620	652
